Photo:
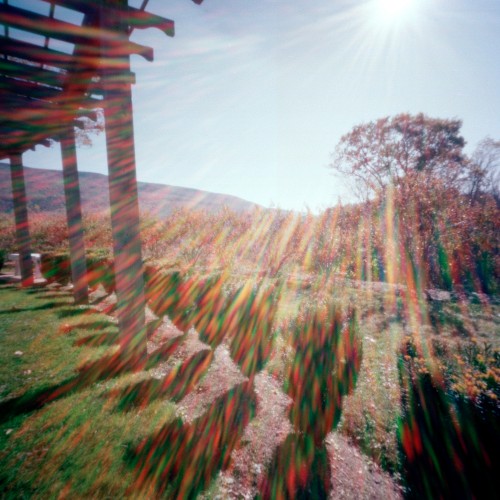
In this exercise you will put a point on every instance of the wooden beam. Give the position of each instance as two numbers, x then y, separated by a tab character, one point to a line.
42	55
32	73
72	104
141	19
136	18
10	86
33	125
88	36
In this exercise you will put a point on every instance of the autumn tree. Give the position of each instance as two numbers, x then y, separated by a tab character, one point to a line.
401	151
88	128
484	171
416	165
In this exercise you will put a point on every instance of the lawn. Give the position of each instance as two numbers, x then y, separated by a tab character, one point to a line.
76	444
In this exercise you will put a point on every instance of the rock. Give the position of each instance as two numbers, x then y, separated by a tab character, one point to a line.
479	298
257	468
437	295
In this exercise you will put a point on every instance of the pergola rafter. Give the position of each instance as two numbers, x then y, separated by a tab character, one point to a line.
44	88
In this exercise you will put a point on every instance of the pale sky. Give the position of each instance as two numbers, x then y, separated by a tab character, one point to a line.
251	96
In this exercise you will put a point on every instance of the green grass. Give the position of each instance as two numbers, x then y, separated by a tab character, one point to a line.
75	445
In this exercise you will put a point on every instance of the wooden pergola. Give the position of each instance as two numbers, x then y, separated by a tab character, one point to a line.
53	72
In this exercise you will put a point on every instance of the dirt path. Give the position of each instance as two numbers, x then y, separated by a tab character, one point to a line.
353	475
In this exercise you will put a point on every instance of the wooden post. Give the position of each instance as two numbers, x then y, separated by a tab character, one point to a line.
74	216
21	218
123	195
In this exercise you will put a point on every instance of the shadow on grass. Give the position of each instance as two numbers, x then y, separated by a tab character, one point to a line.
44	290
181	460
71	312
94	325
439	318
98	299
52	295
49	305
108	367
178	383
105	368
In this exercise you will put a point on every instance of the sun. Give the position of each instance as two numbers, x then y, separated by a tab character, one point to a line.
390	10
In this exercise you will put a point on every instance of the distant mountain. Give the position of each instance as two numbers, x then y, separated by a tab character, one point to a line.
45	193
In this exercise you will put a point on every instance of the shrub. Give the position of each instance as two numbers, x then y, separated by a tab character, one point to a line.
100	270
56	267
449	442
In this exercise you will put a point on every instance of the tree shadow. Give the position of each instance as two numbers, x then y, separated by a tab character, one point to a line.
98	300
181	460
252	341
299	469
189	301
178	383
328	355
152	326
325	368
164	351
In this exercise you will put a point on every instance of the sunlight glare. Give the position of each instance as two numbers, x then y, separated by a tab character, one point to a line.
393	9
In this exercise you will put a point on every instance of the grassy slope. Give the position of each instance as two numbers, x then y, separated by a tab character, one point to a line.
77	443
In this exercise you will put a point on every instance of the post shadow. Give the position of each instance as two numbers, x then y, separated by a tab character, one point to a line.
182	459
179	382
